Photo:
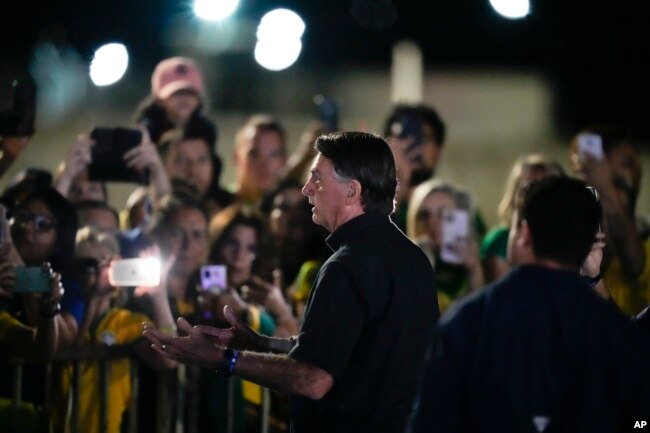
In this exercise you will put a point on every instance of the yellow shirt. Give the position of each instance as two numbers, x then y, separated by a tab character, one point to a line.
630	296
7	321
117	327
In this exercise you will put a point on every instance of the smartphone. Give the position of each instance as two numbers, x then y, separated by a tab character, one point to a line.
328	112
141	271
409	127
590	144
455	232
214	278
107	155
31	279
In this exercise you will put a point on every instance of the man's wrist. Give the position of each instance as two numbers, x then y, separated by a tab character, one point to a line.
591	281
229	361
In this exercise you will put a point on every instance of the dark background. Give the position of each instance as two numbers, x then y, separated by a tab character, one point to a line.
594	53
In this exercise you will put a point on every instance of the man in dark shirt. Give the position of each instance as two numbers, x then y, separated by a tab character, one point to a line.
538	351
370	317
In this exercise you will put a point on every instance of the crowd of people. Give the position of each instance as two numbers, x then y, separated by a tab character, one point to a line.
339	259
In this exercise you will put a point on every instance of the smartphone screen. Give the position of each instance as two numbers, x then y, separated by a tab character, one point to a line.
590	144
107	155
214	278
31	279
455	232
142	271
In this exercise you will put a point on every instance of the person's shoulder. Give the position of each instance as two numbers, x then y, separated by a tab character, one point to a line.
385	239
468	309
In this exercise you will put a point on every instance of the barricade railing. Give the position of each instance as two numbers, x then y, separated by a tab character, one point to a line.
171	418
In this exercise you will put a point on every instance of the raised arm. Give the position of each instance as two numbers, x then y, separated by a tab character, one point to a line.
620	223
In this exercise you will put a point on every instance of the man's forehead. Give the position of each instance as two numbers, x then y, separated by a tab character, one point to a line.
321	164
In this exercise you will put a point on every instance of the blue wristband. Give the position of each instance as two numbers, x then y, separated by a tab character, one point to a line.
230	359
592	281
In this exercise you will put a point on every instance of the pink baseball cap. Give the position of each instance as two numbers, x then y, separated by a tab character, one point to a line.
174	74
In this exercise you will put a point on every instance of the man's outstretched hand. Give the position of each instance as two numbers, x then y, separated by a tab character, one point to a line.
239	336
204	346
195	348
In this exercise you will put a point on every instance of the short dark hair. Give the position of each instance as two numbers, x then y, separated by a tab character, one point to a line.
424	113
194	130
368	159
563	216
261	123
86	205
167	206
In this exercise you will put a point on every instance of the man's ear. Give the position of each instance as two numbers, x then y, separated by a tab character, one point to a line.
524	239
353	192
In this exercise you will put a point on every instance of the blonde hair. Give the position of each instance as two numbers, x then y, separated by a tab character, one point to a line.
94	237
461	198
522	165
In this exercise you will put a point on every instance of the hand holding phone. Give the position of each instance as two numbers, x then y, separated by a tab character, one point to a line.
328	112
409	127
455	233
31	279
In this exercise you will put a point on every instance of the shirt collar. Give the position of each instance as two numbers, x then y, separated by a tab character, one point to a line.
349	229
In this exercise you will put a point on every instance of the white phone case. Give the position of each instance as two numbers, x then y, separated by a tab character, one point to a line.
135	272
455	231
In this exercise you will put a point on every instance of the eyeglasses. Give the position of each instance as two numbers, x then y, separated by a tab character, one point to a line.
42	223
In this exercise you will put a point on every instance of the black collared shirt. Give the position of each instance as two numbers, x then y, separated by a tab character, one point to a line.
368	322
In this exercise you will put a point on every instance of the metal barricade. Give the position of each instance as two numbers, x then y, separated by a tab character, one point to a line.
177	412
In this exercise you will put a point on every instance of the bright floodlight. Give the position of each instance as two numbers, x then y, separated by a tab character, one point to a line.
214	10
276	57
511	9
109	64
278	39
280	25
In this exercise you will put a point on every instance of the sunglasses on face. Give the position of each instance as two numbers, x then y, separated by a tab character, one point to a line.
42	223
